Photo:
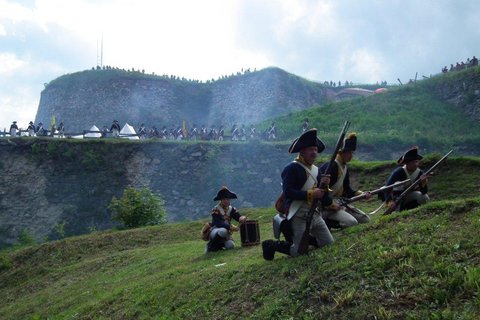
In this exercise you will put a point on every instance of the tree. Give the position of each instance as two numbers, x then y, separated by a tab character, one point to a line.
138	208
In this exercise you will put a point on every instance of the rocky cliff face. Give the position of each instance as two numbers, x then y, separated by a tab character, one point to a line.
51	185
99	96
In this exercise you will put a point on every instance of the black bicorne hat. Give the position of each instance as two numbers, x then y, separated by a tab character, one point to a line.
307	139
410	155
224	193
350	143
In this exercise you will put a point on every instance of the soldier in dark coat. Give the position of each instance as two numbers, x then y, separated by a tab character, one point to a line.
61	130
221	133
235	133
31	129
409	169
13	129
40	131
305	125
272	132
115	129
222	215
194	132
300	181
343	217
142	131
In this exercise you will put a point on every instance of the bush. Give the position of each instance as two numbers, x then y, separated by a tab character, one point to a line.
138	208
25	238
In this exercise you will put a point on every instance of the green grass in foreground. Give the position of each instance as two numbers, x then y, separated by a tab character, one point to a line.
415	265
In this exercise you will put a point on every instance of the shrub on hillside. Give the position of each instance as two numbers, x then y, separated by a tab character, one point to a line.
138	208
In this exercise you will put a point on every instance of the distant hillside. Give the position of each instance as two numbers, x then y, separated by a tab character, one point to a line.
99	96
437	114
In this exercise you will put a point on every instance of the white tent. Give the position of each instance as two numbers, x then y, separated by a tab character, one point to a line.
93	134
127	132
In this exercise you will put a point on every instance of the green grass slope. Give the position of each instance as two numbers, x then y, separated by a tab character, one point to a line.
414	114
419	264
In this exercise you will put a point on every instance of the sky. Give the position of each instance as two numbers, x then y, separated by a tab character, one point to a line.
360	41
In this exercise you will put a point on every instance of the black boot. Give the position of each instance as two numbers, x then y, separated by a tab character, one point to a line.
270	246
282	247
268	250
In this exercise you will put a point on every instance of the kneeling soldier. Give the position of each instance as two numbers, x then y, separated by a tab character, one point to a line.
410	162
300	181
222	228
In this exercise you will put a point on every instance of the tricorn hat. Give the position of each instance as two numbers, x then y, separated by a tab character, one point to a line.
350	143
224	193
31	122
410	155
307	139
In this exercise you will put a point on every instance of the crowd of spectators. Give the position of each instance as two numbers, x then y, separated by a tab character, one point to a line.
461	65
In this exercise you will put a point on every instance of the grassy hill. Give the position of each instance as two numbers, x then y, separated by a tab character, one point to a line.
419	264
435	114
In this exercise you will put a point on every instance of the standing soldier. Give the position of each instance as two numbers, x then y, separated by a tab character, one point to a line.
221	133
203	132
142	131
409	169
305	125
343	217
300	181
272	132
61	130
194	132
235	133
253	132
155	133
104	132
164	133
115	129
13	129
212	135
222	215
243	133
31	129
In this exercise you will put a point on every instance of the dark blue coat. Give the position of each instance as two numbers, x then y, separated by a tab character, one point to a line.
294	177
399	175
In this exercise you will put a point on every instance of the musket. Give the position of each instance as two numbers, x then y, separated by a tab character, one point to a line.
346	201
303	246
415	183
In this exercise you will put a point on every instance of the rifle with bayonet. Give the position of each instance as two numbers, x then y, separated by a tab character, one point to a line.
414	184
346	201
303	246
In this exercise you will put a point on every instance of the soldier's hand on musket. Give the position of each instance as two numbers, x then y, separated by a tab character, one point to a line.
392	205
318	193
423	179
325	180
368	195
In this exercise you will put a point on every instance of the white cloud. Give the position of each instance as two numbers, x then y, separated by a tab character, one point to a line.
361	41
9	63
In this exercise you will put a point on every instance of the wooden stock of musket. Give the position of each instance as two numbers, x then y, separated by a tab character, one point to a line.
415	183
303	246
346	201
